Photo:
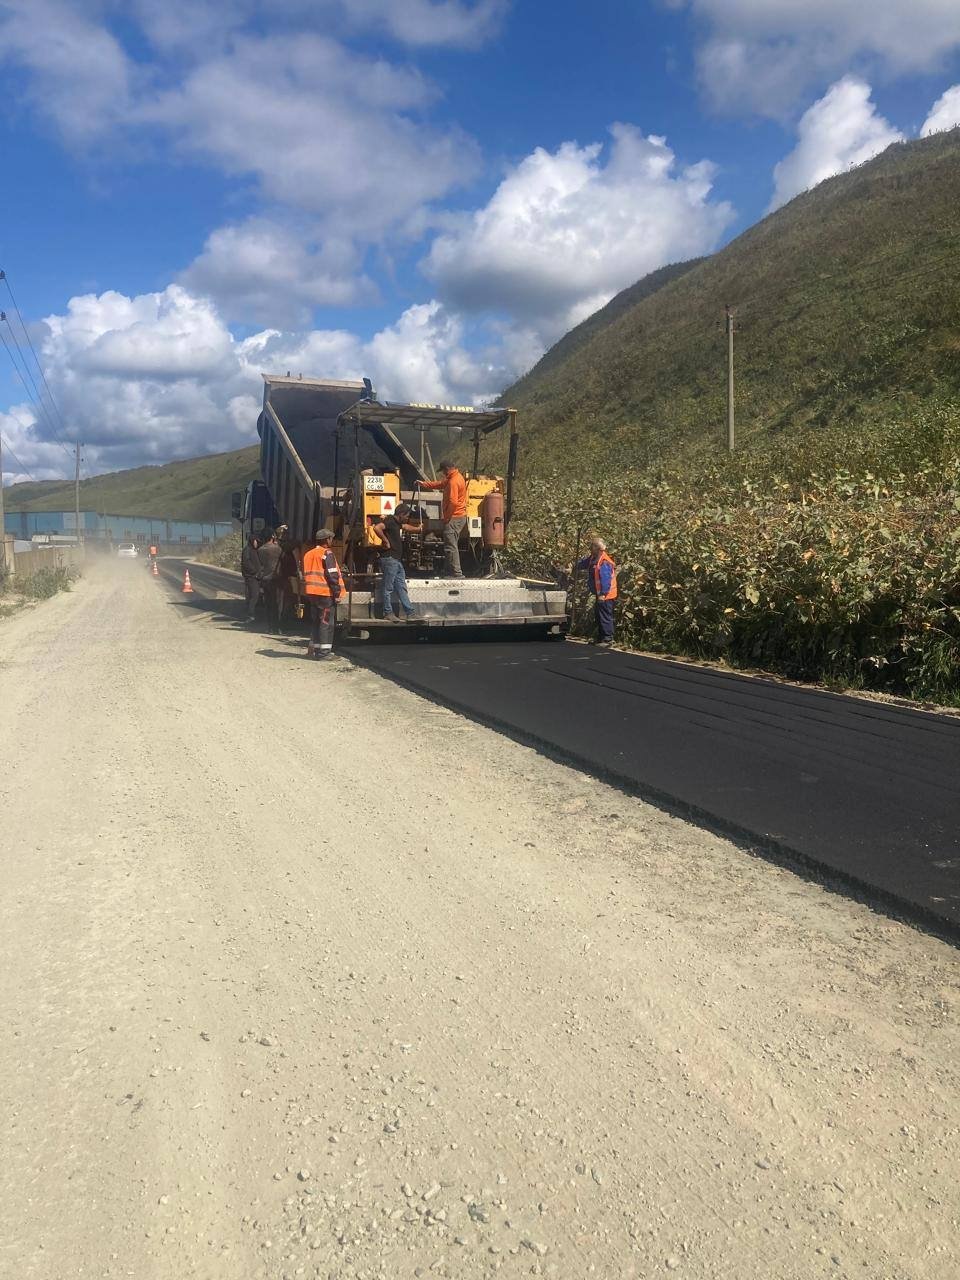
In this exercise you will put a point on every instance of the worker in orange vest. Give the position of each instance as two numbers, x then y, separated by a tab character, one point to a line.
453	513
153	552
323	587
602	582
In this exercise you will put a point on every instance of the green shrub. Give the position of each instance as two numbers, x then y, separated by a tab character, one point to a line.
834	559
225	552
46	582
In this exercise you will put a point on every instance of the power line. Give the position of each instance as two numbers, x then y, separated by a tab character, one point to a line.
6	280
37	408
20	465
23	359
25	429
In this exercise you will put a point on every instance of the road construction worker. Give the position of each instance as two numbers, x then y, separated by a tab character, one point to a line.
288	574
602	582
323	587
270	554
390	531
153	553
453	513
250	568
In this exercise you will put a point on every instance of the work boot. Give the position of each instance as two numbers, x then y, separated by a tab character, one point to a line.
604	644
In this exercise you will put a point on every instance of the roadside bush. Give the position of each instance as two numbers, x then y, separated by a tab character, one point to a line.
225	552
46	582
837	559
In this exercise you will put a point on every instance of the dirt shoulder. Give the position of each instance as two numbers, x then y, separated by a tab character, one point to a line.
305	976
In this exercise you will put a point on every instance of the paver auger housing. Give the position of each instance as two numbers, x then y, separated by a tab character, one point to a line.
332	455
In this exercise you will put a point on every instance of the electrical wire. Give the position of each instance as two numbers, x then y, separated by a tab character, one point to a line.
36	407
21	467
25	429
6	280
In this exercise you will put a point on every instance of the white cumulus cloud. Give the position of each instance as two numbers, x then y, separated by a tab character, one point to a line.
161	376
760	55
840	130
327	131
76	72
944	114
567	229
319	127
261	270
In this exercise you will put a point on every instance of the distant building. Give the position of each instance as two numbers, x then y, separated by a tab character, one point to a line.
107	528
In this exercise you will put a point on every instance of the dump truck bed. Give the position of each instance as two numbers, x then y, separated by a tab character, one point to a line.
298	446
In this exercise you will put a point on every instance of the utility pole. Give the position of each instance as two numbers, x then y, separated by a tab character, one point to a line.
731	427
76	494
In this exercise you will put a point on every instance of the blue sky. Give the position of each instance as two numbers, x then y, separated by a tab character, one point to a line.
426	191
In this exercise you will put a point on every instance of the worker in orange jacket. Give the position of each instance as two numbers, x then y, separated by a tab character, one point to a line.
323	587
602	581
453	513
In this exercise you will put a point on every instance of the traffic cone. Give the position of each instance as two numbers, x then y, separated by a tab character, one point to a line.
186	588
156	571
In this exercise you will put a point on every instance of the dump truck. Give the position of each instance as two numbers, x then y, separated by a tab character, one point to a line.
334	456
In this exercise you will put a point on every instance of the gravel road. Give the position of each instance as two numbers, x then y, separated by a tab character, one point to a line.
303	976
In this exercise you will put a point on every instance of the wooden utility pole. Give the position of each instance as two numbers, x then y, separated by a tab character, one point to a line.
76	495
731	418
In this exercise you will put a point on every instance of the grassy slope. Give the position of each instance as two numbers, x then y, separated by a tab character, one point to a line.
846	304
579	336
198	489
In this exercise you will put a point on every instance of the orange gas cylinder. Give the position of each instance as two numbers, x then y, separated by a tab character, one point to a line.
491	520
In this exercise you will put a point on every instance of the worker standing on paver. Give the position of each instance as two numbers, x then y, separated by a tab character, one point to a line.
453	513
602	581
323	586
250	568
390	532
270	554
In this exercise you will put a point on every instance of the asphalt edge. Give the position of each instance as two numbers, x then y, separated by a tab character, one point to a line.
882	901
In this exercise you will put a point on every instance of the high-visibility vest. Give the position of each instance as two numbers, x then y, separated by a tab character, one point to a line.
153	551
316	565
603	558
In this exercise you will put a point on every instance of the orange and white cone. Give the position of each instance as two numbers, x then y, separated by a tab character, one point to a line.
156	571
186	588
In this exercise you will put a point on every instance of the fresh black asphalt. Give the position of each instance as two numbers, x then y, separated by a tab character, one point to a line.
864	791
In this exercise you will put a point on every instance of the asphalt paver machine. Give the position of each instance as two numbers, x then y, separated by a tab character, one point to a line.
333	455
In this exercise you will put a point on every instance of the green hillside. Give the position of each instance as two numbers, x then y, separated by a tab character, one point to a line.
847	308
827	546
198	489
579	336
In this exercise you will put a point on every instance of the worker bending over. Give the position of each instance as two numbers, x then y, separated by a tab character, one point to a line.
602	581
323	585
453	513
390	531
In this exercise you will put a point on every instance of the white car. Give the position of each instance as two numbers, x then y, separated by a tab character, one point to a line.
127	551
